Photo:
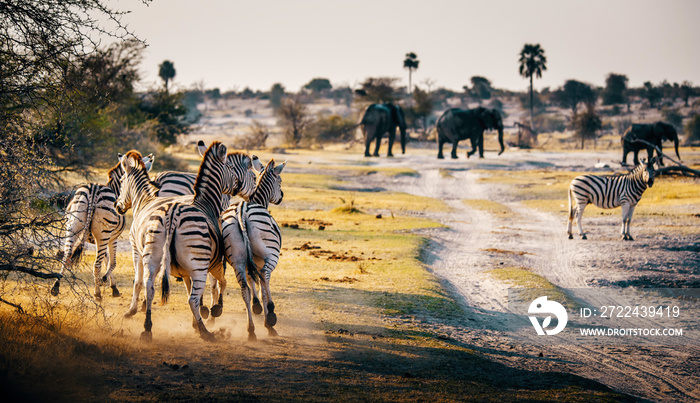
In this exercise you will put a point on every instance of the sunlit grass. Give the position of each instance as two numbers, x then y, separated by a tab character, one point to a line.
489	206
529	285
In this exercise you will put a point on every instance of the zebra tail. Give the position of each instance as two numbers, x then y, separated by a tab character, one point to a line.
78	251
167	259
250	262
571	205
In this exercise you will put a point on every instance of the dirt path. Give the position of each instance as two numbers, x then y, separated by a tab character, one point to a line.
463	254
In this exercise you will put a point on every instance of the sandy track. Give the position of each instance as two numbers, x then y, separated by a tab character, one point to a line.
458	256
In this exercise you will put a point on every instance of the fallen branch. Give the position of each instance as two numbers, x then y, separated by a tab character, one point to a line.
16	306
658	150
667	170
32	272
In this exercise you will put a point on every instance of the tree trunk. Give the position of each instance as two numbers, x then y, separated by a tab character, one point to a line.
532	125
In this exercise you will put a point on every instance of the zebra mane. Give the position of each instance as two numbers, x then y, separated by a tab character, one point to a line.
204	193
114	176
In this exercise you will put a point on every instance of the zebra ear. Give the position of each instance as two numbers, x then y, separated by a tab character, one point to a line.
148	161
278	169
257	164
201	148
120	156
221	152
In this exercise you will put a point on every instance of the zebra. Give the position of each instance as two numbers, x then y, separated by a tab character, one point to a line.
609	192
180	237
252	240
92	207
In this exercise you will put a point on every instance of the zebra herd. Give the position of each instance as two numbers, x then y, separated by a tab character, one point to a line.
184	226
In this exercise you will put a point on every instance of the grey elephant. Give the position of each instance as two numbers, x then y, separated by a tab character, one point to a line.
378	119
651	133
461	124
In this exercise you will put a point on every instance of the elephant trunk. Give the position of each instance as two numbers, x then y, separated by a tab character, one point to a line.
500	139
675	144
403	139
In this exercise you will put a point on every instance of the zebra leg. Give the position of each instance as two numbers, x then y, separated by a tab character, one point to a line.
579	218
218	275
627	211
101	249
74	227
199	280
112	251
257	308
147	335
138	284
571	216
246	293
270	316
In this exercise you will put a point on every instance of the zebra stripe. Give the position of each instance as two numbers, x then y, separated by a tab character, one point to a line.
609	192
252	244
181	237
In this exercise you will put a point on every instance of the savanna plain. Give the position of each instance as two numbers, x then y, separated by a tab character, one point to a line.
392	286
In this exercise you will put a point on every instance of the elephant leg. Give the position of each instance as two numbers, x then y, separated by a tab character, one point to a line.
376	147
454	150
636	157
660	159
625	151
481	146
440	144
392	137
474	147
368	139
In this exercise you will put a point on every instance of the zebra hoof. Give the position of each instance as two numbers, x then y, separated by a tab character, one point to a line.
143	306
204	311
146	337
257	308
98	297
583	236
179	279
271	318
571	236
272	332
130	313
216	310
55	289
252	337
115	292
104	279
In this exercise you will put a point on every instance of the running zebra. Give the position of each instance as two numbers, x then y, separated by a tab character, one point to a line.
92	207
179	237
252	240
609	192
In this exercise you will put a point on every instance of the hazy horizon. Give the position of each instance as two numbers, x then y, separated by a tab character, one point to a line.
235	44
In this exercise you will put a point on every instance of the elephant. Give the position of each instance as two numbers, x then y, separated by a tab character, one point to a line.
378	119
651	133
461	124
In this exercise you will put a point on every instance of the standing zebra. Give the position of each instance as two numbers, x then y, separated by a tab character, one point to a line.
180	237
252	240
609	192
91	214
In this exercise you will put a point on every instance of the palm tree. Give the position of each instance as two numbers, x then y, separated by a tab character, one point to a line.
410	63
166	71
532	63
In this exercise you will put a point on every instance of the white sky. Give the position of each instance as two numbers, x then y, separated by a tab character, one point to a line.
233	44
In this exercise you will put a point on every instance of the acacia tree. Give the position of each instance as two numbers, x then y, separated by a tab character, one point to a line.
411	63
587	124
378	90
295	120
615	91
40	45
573	93
532	63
